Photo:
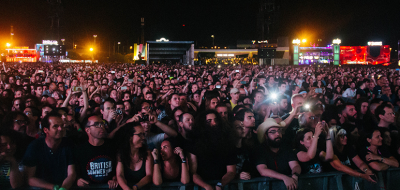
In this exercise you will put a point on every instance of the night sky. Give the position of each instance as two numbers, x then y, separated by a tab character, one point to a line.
355	22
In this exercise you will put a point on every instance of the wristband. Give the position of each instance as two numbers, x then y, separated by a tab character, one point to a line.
296	174
219	184
183	160
136	186
381	159
328	139
56	187
155	161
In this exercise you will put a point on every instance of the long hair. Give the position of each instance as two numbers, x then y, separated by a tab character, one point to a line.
124	152
214	141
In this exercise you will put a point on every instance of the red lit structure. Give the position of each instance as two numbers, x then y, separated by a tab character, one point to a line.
362	55
21	55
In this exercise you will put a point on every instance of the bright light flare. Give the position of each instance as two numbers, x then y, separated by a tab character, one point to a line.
91	49
307	106
304	40
274	96
8	44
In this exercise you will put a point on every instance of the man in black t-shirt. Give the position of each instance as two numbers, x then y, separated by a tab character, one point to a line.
49	162
214	157
96	157
273	160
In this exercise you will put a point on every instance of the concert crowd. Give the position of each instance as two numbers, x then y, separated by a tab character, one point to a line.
129	126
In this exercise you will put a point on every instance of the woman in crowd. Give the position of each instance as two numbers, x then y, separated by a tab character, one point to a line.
135	164
376	155
346	159
310	157
172	167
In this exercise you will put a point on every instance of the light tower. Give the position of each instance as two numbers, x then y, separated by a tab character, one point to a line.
296	44
336	51
94	37
12	33
142	30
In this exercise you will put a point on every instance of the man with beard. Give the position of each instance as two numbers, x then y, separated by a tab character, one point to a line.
347	114
214	157
273	160
49	162
185	135
96	157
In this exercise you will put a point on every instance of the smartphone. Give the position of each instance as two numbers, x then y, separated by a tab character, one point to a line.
142	76
255	80
318	90
113	72
217	86
130	80
303	109
50	73
154	76
40	71
76	89
124	87
242	82
237	71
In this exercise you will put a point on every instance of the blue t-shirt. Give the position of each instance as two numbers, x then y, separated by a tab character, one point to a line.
51	165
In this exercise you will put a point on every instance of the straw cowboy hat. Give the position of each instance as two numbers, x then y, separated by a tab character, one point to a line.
263	128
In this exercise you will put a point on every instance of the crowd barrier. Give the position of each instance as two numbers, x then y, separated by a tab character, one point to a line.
388	180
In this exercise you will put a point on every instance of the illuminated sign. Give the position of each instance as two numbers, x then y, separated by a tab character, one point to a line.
23	47
162	40
375	43
337	41
296	41
50	42
225	55
263	42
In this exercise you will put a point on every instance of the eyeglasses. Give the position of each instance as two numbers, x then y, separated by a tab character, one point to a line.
392	113
99	124
147	108
313	117
21	122
141	135
275	131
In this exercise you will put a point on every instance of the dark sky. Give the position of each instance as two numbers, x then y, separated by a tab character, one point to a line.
355	22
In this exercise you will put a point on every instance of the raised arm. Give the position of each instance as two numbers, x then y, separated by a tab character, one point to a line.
165	128
86	102
310	154
157	178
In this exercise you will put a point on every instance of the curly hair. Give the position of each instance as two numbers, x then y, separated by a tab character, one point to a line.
219	140
124	152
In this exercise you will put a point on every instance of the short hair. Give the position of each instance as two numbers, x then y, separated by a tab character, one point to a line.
181	116
110	100
380	110
35	111
241	114
85	121
45	121
295	96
